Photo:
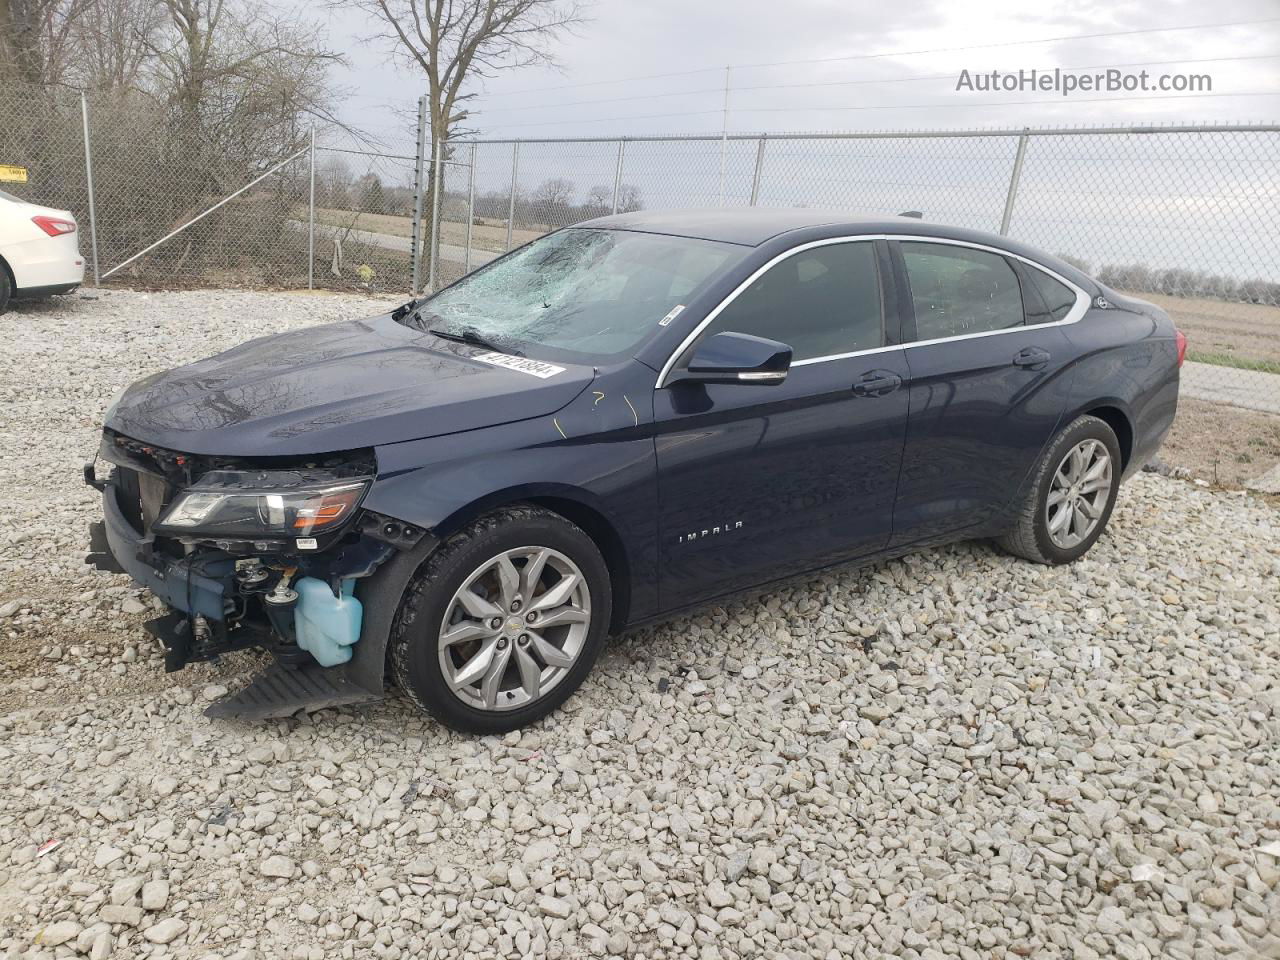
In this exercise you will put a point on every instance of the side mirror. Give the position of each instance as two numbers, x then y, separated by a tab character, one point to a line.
738	358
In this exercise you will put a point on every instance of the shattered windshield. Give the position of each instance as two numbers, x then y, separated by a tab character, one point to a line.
588	292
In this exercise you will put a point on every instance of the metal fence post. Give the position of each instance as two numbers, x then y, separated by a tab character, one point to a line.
436	182
415	239
311	217
1013	184
511	210
755	176
617	174
88	177
471	209
724	133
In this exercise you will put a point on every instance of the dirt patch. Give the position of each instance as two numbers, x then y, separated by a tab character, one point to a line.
1226	446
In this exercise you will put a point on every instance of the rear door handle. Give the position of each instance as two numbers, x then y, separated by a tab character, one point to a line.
876	383
1033	357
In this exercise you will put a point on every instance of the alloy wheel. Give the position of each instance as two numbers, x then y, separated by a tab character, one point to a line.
1078	494
515	628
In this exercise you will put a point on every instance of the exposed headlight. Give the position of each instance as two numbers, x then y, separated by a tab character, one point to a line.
252	504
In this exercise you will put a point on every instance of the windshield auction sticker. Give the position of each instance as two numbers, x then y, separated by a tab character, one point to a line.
537	368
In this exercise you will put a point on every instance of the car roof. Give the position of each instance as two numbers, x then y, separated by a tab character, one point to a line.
752	226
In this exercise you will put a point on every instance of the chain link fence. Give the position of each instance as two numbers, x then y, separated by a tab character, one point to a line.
1187	216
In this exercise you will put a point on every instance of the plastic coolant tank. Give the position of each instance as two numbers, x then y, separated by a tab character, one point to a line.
326	626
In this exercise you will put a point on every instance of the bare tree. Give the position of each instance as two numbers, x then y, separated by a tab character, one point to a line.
552	198
35	37
599	199
629	199
113	42
221	56
456	42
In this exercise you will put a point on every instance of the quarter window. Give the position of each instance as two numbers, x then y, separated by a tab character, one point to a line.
820	302
958	290
1058	298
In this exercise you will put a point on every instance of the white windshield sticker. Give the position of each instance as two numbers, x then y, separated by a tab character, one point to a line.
675	312
537	368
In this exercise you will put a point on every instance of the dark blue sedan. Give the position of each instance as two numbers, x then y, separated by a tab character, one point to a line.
614	423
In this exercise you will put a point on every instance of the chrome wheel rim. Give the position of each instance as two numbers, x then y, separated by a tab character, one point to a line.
1078	494
515	628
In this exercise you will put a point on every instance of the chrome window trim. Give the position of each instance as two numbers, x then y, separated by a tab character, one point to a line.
1076	313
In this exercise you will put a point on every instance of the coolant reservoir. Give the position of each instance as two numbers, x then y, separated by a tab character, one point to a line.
326	626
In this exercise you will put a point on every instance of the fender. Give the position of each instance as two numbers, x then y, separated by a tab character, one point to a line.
599	449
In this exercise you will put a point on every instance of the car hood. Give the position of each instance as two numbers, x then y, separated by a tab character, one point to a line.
341	386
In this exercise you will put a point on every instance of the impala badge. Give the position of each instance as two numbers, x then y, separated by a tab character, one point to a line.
709	532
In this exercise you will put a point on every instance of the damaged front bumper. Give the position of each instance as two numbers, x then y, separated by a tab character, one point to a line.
117	548
219	601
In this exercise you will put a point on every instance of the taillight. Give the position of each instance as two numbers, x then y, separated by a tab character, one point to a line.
1180	339
54	226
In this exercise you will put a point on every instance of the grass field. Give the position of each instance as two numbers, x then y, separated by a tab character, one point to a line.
490	235
1230	360
1242	335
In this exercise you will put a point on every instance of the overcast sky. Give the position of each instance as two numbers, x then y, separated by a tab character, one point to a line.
626	39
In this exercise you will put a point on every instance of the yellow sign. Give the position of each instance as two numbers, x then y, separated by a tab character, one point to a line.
13	174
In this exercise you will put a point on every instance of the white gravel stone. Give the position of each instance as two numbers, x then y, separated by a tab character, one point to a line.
59	932
166	931
278	866
155	894
555	907
953	754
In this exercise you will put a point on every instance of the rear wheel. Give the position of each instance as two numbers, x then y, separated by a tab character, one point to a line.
503	622
1072	493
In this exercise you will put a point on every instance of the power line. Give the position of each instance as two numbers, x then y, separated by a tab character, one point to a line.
1018	43
643	116
895	53
842	83
896	106
1016	103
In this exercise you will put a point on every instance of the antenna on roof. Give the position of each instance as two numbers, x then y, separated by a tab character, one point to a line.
913	214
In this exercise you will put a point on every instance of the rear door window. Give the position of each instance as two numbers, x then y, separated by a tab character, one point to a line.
958	291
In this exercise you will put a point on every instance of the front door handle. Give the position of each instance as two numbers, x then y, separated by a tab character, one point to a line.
876	383
1034	357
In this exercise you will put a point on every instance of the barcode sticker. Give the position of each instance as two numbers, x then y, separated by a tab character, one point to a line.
675	312
537	368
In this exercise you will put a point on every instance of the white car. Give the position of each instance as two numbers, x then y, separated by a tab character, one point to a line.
39	251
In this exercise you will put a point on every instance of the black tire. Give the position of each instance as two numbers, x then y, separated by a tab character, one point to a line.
1030	538
6	287
415	662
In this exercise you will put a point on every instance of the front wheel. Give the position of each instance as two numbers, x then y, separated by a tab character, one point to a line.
6	288
1073	491
503	622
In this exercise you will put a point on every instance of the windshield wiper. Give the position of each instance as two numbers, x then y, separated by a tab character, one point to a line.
473	337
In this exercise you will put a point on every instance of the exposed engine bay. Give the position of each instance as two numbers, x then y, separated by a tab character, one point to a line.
246	553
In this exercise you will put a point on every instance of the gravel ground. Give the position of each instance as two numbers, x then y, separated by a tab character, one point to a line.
951	755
